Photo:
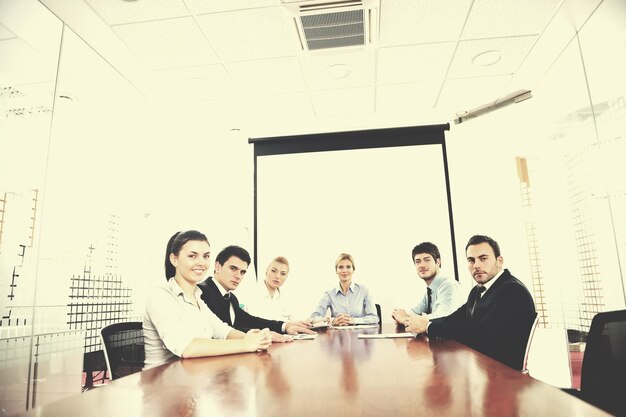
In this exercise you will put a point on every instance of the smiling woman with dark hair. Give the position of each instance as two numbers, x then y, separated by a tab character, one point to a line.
177	323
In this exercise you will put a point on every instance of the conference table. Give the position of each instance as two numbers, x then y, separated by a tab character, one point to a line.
335	374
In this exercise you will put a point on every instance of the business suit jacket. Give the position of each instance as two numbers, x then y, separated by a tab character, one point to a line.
213	298
500	326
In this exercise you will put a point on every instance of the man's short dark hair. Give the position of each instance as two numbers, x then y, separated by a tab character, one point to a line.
478	239
232	250
426	247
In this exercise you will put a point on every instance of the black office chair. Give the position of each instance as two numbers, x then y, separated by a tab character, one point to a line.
603	374
123	348
380	314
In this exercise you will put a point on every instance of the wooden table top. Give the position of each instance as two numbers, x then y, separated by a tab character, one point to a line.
335	374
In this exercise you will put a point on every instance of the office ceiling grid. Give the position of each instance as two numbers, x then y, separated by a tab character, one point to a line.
420	46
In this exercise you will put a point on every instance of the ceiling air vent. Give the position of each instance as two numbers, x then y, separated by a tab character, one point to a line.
336	24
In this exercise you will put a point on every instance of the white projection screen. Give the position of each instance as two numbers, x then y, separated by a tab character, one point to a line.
372	194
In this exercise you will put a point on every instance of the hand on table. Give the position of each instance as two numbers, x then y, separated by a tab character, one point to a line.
280	338
399	315
343	320
295	327
258	340
416	324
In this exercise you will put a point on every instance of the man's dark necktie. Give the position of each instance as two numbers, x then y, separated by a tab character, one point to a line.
227	304
429	307
477	290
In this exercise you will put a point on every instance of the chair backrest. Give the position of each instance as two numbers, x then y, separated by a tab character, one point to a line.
123	348
380	314
530	339
549	358
603	374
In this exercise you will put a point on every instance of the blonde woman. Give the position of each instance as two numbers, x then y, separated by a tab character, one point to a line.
349	303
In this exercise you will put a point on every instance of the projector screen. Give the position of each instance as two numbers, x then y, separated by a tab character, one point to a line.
374	203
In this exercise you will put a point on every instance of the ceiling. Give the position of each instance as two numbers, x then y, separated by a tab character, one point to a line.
427	60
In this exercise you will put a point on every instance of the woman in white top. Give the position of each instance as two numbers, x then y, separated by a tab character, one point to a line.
269	303
177	323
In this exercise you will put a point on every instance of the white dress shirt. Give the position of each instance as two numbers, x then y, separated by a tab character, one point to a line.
269	306
171	321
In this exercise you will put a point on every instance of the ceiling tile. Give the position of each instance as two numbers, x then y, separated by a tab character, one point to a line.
469	93
250	34
343	102
213	6
405	64
404	22
26	64
407	98
268	76
290	106
117	12
167	43
337	69
496	18
490	56
210	81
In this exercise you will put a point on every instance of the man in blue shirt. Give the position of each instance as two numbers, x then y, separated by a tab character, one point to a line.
443	295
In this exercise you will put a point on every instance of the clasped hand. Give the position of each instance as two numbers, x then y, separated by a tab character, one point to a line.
343	320
258	340
416	324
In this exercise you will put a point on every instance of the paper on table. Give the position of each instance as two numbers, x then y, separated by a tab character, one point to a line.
302	336
385	335
355	326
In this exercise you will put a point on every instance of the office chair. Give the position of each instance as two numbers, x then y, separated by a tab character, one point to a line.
549	359
380	314
530	339
603	374
123	348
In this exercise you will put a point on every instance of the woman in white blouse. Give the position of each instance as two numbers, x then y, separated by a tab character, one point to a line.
269	303
177	323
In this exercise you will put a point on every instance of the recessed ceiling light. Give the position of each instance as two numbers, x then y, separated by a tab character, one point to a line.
339	71
487	58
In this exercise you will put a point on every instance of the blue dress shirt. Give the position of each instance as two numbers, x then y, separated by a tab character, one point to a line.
446	298
356	302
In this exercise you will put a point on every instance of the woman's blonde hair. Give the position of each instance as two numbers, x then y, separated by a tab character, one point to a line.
281	260
345	256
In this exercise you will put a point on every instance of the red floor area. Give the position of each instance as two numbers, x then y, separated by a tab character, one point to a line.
576	359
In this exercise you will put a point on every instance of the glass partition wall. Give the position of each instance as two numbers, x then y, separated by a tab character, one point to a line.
554	185
71	128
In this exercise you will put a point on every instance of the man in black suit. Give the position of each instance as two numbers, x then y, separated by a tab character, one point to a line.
499	312
231	265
